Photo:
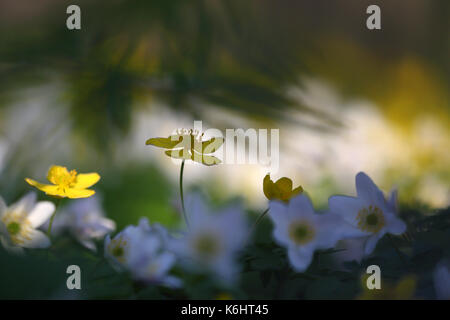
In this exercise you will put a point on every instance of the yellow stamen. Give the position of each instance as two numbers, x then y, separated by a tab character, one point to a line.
301	232
206	245
117	248
370	219
18	226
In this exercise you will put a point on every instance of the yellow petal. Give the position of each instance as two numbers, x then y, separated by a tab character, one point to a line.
280	190
284	185
283	189
296	191
206	160
55	173
268	187
86	180
79	193
47	188
166	143
179	154
209	146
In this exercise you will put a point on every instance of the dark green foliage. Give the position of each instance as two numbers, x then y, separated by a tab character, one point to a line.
266	273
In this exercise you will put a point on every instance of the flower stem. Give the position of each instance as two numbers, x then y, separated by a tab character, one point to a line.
181	193
259	218
49	230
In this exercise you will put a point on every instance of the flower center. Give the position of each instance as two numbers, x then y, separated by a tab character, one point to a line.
117	248
69	179
13	228
301	232
62	177
190	138
207	245
18	227
370	219
118	252
153	269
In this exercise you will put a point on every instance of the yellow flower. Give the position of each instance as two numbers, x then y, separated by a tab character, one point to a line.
403	290
67	184
224	296
188	145
280	190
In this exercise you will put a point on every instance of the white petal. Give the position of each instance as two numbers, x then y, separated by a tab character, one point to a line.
300	258
105	246
393	202
278	211
144	224
165	261
372	241
25	204
38	239
441	279
345	206
396	226
3	207
281	236
233	226
41	213
196	209
280	219
300	206
367	190
353	250
330	228
88	244
226	269
108	224
172	282
4	231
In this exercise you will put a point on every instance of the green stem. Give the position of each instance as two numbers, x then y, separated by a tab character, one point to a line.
49	230
260	217
181	193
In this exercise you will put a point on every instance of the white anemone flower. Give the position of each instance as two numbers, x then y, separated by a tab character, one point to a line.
19	223
301	230
213	240
369	214
143	251
149	260
117	249
441	278
85	220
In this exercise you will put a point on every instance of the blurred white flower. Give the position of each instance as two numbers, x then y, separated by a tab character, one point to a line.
117	249
148	258
369	214
143	250
351	250
157	230
18	223
213	240
302	231
85	220
441	278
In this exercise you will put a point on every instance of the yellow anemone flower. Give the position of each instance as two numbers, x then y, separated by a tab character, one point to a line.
67	184
403	290
280	190
188	145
